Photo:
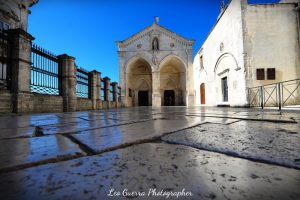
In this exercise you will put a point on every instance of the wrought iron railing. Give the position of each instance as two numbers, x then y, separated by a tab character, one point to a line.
82	83
119	94
280	94
5	73
102	90
44	71
111	93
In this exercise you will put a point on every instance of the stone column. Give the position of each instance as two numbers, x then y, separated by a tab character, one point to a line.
115	91
67	71
94	90
190	80
156	96
20	67
106	88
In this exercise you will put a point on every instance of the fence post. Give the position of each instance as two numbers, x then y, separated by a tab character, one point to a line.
115	91
67	72
279	97
93	87
262	97
106	89
20	66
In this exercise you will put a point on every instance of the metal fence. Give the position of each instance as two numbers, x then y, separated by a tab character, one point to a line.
44	71
111	93
280	94
102	90
119	94
5	77
82	83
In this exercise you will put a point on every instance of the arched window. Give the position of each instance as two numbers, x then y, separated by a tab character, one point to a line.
155	44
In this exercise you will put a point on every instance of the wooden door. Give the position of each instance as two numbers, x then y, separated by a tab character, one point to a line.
202	93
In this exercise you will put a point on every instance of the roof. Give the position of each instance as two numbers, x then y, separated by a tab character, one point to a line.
150	28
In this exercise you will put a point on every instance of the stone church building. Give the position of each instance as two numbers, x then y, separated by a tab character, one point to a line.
249	45
156	68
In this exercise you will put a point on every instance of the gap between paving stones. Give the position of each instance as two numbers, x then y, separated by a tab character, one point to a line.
89	152
248	118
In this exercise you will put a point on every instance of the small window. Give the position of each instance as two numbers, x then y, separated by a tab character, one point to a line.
130	92
271	74
260	74
201	61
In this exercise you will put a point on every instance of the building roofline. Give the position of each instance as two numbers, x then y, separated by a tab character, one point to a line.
190	41
219	18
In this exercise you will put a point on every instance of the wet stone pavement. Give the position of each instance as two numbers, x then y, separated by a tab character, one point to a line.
151	153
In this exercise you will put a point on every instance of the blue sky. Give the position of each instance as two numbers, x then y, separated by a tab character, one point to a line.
88	29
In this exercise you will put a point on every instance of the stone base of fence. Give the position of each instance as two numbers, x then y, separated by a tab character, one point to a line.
41	103
6	105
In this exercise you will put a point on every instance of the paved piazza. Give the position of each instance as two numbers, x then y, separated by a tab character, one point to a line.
151	153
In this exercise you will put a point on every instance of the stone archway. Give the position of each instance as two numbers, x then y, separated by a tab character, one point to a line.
172	80
139	83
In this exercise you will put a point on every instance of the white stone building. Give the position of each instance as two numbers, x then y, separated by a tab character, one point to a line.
250	45
156	68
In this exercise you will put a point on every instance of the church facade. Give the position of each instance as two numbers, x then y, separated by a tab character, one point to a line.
156	68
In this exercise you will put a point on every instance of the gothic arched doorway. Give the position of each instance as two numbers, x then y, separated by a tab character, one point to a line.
169	98
139	83
143	98
202	93
172	81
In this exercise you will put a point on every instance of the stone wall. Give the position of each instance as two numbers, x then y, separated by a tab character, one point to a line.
47	103
84	104
6	105
271	41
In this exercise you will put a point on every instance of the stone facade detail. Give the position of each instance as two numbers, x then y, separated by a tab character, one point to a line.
162	62
14	14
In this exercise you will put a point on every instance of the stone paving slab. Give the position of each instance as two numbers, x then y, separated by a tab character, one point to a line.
17	132
35	120
105	139
69	128
270	142
26	151
148	169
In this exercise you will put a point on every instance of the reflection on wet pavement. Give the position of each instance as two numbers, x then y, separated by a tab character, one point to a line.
215	153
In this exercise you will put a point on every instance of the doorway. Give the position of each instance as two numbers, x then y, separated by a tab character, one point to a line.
202	93
169	98
224	89
143	98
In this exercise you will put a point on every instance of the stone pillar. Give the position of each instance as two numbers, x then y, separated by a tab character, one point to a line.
156	96
106	88
67	70
94	87
20	67
190	90
115	91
